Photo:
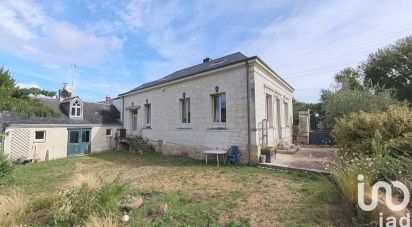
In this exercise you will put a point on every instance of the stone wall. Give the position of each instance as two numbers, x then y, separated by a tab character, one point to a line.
191	139
202	133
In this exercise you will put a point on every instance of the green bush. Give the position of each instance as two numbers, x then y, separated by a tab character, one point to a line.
76	206
85	202
355	134
6	167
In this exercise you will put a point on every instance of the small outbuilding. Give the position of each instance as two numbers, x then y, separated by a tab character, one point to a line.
81	128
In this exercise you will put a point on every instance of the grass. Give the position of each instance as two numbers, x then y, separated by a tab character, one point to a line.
196	194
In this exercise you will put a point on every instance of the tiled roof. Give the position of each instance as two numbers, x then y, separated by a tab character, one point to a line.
187	72
93	113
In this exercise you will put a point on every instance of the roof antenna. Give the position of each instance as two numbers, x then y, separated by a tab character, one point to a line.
74	68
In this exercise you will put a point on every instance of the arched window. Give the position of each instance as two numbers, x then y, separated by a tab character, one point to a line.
76	109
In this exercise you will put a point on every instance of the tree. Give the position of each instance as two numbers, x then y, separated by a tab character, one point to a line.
17	99
348	78
391	68
5	79
342	102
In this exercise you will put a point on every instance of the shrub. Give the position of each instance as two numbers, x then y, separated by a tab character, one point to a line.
85	202
355	133
6	168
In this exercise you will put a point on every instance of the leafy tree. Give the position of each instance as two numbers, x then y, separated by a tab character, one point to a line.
5	79
342	102
391	67
16	99
348	78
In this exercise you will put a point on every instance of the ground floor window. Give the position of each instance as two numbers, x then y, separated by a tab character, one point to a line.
269	109
219	108
148	114
40	136
185	103
134	120
109	132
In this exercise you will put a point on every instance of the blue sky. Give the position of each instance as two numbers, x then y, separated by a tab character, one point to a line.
120	44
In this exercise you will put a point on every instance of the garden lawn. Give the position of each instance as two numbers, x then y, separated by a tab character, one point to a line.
197	194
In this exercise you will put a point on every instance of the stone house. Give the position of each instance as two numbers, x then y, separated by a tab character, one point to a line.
81	128
212	105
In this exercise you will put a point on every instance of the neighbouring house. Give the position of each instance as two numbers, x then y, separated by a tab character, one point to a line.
81	128
212	105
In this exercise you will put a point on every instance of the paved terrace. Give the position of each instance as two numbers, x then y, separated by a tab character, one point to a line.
308	158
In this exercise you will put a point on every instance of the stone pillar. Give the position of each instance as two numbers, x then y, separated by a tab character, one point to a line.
304	126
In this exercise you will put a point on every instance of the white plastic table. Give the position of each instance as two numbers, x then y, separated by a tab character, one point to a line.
217	153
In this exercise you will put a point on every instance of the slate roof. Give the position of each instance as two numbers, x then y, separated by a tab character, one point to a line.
93	113
187	72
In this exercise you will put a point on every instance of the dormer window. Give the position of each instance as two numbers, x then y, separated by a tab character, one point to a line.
76	108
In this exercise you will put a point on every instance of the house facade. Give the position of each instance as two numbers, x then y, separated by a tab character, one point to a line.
213	105
80	128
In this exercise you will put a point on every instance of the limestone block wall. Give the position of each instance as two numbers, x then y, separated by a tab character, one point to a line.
281	120
202	133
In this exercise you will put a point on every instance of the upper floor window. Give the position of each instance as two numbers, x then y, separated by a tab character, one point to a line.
185	110
76	109
148	114
219	108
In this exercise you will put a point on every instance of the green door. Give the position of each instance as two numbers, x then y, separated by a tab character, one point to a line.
78	142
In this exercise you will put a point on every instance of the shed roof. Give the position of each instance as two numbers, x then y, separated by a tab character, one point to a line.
93	113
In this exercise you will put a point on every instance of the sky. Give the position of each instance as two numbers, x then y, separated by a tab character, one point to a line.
107	47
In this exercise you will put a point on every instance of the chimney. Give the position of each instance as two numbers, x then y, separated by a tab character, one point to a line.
108	100
65	92
207	59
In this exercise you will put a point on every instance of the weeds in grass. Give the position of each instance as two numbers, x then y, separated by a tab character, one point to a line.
105	221
6	167
12	209
91	180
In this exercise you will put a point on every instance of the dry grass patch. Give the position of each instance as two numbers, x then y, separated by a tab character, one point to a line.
12	209
199	194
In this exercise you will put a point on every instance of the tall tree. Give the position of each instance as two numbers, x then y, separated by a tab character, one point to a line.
391	67
348	78
5	79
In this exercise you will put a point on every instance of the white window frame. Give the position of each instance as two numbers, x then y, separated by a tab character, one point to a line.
40	140
217	112
111	132
185	105
269	109
77	109
286	113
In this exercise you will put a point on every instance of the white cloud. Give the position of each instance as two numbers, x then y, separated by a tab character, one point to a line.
24	85
322	38
26	31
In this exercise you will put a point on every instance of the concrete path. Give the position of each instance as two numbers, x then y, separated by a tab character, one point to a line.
308	158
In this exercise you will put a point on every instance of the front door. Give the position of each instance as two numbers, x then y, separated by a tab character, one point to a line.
78	142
